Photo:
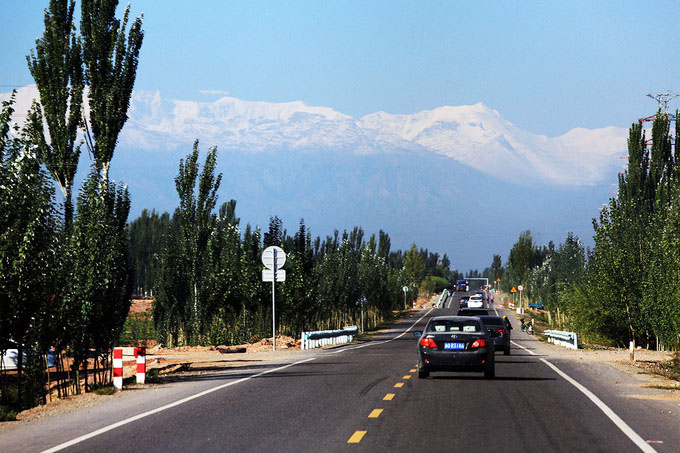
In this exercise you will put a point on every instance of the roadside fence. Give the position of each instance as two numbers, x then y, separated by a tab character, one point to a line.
559	337
320	338
442	297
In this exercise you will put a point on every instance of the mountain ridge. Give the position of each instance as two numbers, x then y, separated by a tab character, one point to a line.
424	184
474	135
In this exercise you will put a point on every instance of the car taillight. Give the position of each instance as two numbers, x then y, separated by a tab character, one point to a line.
428	343
501	331
479	343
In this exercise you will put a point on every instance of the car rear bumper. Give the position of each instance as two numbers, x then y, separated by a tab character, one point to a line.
501	343
454	361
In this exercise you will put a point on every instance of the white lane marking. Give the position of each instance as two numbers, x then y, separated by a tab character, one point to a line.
374	343
623	426
167	406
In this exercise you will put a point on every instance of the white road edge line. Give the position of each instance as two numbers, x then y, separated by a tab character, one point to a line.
162	408
623	426
384	341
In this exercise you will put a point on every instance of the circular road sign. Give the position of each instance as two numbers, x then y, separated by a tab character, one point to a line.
520	287
268	257
404	289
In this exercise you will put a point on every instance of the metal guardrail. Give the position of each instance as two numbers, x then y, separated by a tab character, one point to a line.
559	337
441	298
319	338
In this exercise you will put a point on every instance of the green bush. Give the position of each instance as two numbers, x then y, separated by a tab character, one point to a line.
9	400
137	330
438	284
6	414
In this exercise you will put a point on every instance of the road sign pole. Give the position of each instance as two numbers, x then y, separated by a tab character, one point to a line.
274	305
273	259
520	288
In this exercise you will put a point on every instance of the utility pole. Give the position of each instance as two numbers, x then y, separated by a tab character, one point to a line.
663	99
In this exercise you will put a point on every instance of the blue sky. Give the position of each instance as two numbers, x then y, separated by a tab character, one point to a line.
546	66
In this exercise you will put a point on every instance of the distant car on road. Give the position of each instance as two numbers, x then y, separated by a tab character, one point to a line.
455	343
499	332
472	312
476	301
463	302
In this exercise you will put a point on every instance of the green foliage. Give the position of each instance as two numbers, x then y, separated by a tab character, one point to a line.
9	400
627	288
106	390
99	289
65	274
183	303
146	243
57	68
437	284
137	330
28	246
414	266
325	279
111	60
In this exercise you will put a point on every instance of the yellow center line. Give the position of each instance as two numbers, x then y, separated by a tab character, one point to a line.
356	437
375	413
408	376
413	370
398	385
388	397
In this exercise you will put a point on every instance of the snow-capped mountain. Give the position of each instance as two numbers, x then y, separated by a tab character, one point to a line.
460	180
479	137
476	135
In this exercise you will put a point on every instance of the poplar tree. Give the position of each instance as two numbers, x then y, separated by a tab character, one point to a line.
111	60
146	242
98	297
28	244
186	260
56	66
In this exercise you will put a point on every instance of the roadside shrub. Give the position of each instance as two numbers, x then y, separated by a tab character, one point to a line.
138	330
9	400
437	284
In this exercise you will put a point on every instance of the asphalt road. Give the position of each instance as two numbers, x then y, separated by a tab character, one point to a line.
364	397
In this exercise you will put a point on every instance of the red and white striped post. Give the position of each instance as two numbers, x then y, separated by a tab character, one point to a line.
140	354
118	368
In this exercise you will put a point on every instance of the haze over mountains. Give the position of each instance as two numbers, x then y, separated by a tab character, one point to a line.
458	180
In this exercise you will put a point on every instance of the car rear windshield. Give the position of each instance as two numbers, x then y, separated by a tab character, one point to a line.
493	321
467	326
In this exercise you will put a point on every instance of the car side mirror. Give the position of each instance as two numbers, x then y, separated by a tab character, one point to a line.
417	334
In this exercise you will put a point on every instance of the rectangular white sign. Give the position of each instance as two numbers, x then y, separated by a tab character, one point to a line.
268	275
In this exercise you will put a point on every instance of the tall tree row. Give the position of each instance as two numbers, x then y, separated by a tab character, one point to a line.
633	264
626	288
77	255
208	287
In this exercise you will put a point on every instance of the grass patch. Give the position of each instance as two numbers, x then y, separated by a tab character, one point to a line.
152	376
663	387
105	390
